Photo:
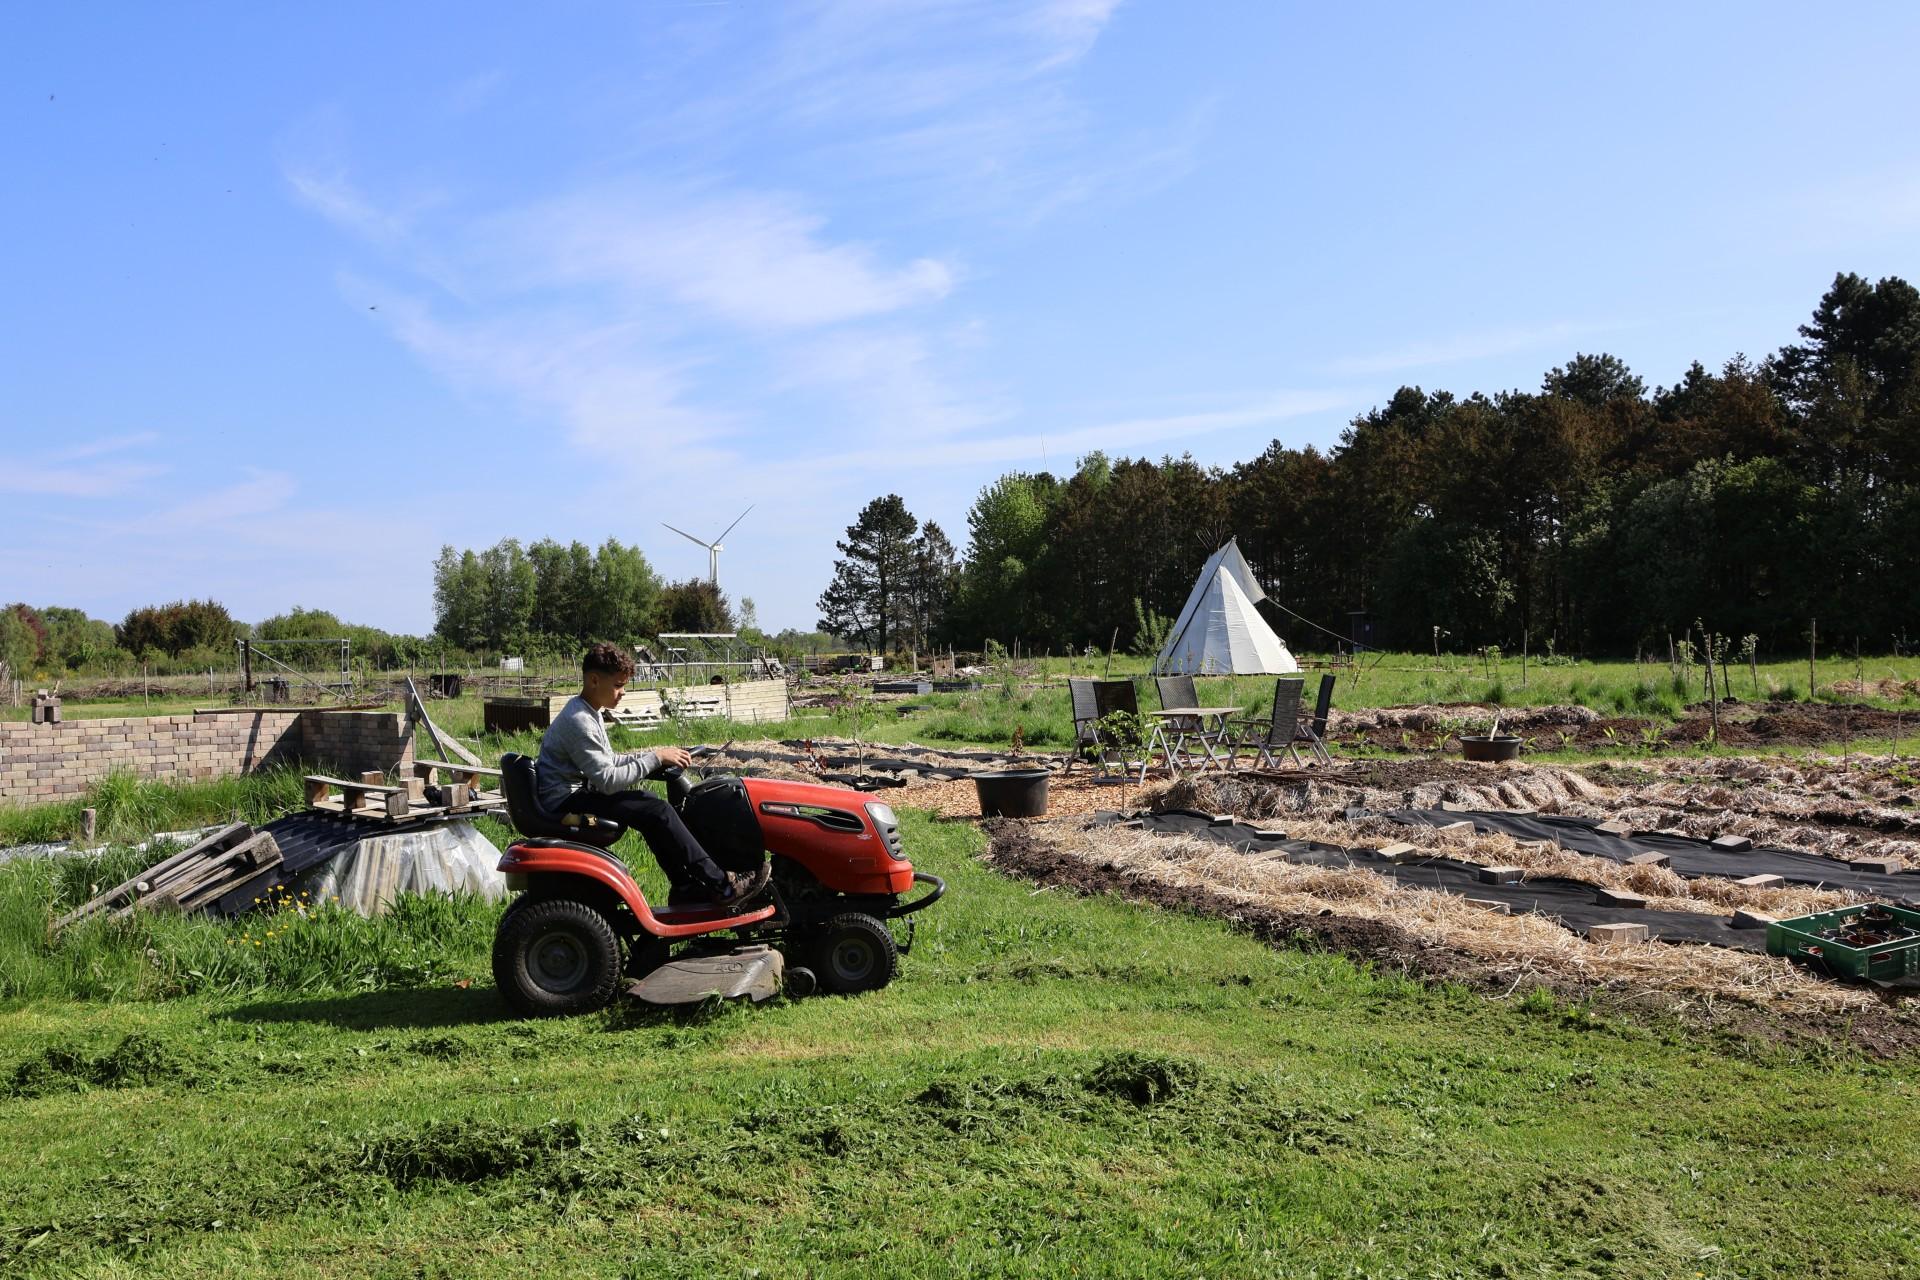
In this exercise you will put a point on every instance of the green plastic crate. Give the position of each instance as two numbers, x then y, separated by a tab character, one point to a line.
1798	939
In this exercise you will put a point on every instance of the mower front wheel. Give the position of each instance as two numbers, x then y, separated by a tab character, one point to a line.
555	957
853	953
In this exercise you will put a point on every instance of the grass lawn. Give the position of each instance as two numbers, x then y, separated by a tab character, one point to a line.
1055	1086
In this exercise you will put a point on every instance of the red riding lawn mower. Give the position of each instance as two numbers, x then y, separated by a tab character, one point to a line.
581	926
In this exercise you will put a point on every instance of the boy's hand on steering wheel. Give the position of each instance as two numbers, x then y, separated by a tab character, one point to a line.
674	757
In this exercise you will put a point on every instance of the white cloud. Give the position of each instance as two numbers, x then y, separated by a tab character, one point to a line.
752	259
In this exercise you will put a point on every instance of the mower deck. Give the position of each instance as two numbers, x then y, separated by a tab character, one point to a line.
753	972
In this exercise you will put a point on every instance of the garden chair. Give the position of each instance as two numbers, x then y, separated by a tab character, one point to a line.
1093	700
1313	730
1277	733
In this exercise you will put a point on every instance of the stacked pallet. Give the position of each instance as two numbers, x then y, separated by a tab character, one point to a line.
424	795
231	859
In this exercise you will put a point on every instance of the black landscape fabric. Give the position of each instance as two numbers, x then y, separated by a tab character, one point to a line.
1569	902
1691	858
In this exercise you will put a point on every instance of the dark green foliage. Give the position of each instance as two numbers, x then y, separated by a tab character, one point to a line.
544	599
695	605
1591	514
891	582
174	628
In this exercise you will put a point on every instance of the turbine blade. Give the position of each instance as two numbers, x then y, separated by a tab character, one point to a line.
730	528
689	537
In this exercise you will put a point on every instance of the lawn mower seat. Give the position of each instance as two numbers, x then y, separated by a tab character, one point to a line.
530	818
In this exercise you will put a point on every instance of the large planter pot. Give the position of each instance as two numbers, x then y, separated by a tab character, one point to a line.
1504	747
1012	793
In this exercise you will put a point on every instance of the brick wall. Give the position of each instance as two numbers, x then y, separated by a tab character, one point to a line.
46	762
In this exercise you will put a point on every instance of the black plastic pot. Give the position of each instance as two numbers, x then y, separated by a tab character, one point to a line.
1012	793
1504	747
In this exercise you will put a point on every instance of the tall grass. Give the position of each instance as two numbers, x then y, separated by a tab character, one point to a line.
292	944
128	808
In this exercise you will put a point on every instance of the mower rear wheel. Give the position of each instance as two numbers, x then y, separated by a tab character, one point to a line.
853	953
555	957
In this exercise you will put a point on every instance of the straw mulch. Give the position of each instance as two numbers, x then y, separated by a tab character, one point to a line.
1508	951
1770	802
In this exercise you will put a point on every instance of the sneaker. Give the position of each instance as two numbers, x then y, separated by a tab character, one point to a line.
743	887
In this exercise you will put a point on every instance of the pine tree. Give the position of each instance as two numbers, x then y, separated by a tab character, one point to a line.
871	595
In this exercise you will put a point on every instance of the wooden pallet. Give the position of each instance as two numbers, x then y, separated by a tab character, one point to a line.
235	857
423	795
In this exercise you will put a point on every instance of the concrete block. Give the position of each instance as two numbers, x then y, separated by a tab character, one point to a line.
1750	920
1399	852
1501	875
1883	866
1614	829
1620	898
1649	860
1491	905
1457	828
1731	844
1222	820
1617	933
1763	882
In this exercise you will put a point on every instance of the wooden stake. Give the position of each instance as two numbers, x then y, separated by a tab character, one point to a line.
1813	643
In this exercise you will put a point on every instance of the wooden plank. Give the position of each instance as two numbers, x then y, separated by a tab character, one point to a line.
344	785
481	770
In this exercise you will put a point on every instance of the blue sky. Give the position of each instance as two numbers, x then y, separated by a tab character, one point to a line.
294	296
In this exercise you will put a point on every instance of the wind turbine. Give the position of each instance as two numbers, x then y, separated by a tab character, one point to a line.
713	548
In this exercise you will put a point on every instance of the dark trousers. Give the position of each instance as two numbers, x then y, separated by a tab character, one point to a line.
679	854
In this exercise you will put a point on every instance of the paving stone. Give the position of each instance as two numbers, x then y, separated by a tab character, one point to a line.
1461	828
1884	866
1400	852
1750	920
1617	932
1731	844
1615	829
1501	875
1620	898
1762	882
1649	860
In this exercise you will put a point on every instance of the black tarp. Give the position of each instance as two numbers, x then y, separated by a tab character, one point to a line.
1691	858
1569	902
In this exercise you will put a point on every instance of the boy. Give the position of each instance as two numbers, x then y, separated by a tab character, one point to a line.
580	773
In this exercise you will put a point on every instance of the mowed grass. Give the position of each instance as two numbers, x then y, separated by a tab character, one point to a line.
1055	1086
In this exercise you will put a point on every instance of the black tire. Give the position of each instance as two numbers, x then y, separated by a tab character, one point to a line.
555	958
852	953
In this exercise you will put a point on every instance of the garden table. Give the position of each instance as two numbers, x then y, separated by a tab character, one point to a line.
1206	725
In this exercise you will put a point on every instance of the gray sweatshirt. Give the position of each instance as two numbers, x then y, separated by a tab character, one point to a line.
575	753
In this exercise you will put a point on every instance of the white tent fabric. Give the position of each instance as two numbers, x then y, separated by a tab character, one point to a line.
1220	632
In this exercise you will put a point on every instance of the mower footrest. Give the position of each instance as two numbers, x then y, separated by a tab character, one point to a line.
753	972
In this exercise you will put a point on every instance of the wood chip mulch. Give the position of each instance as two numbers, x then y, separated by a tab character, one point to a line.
1078	793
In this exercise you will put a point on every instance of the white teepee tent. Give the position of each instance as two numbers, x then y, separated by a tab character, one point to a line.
1220	632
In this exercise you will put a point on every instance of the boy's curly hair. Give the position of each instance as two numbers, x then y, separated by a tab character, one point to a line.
608	660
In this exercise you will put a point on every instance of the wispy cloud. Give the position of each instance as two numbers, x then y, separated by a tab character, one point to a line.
81	471
754	259
1171	431
1464	347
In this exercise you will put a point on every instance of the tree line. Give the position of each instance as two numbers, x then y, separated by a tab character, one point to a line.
1591	514
549	597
